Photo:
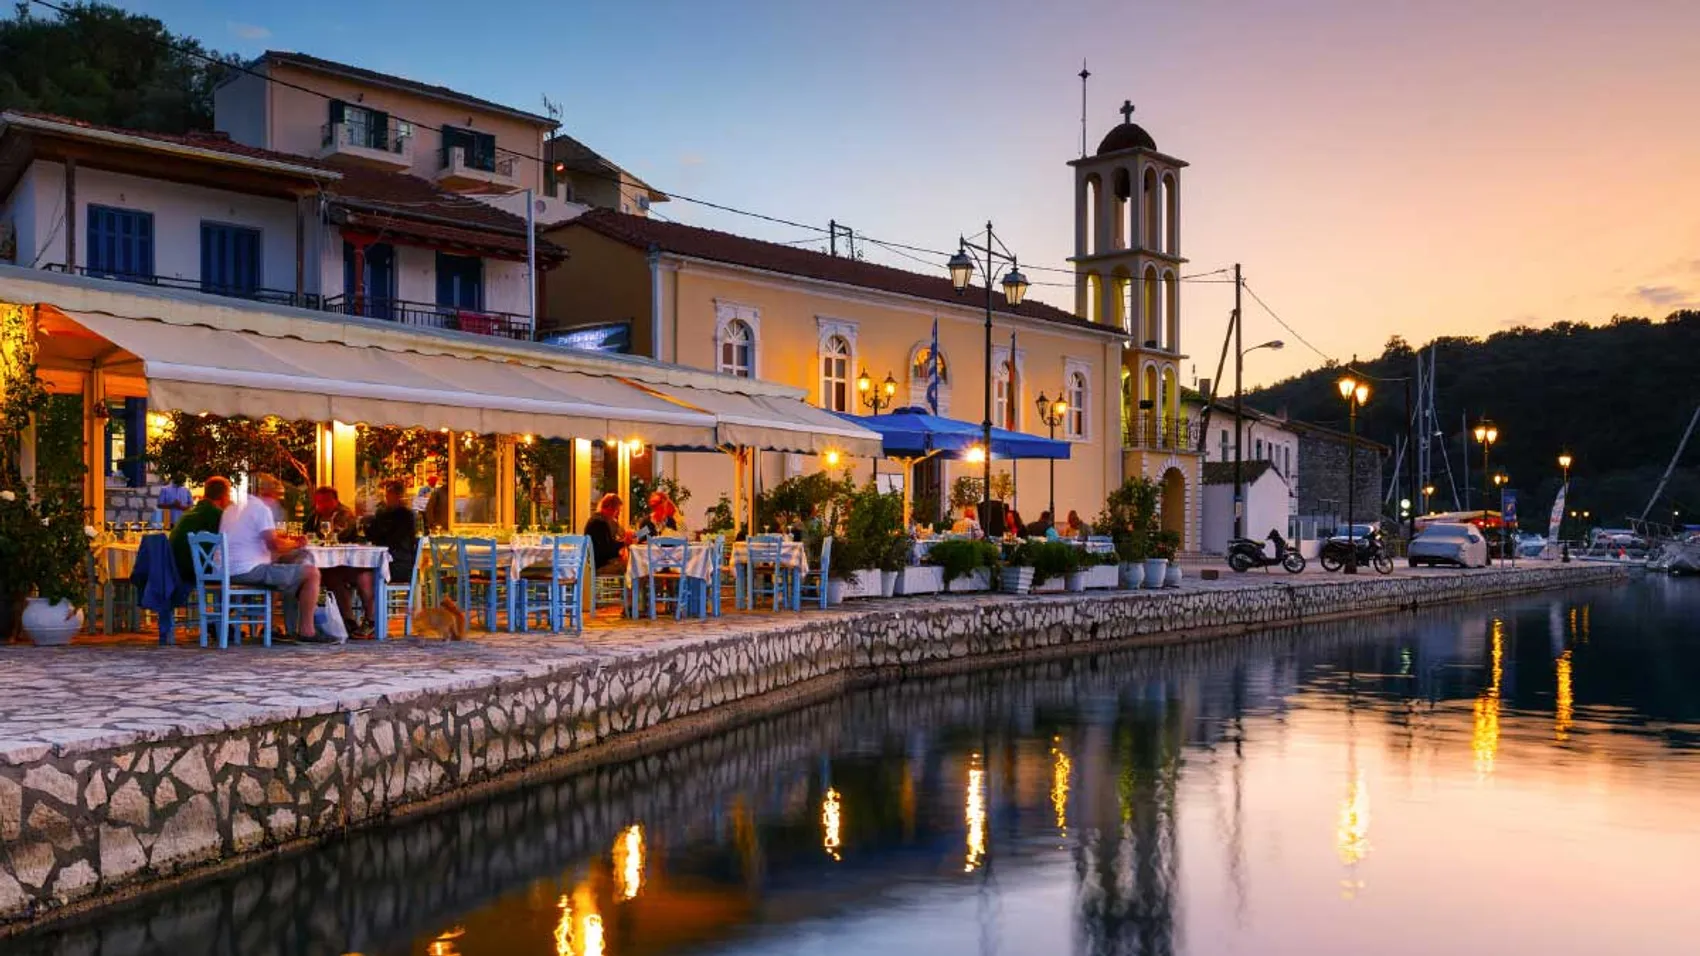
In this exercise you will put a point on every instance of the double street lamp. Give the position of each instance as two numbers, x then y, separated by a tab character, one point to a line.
962	268
1487	433
1355	393
877	399
1051	412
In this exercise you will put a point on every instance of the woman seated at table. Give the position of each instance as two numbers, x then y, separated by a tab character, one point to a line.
967	524
608	539
663	519
1076	529
330	512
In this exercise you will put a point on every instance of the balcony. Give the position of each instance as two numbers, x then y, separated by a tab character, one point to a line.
425	315
248	293
388	147
1144	433
459	170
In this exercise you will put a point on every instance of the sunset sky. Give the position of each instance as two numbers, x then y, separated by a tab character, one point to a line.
1419	168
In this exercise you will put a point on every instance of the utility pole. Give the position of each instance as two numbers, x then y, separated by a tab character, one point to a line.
1410	464
1239	411
832	237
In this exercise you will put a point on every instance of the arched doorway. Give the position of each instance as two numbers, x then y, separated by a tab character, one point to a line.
1173	507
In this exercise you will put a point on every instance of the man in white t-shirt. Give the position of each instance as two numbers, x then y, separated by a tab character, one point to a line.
252	547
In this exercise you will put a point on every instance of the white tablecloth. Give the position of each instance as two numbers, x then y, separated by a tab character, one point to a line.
516	557
114	561
792	554
371	556
698	561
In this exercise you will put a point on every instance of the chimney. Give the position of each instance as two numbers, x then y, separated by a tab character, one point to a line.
1204	388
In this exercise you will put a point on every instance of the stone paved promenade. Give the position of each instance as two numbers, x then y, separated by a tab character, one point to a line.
122	762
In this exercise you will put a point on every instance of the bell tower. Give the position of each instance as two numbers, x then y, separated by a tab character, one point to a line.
1127	263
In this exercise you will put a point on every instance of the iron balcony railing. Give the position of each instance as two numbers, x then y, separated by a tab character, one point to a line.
500	163
1148	434
388	137
233	291
426	315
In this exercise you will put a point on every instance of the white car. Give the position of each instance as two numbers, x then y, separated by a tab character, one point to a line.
1459	545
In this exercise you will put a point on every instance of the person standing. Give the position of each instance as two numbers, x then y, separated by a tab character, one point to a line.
252	553
174	499
437	509
422	498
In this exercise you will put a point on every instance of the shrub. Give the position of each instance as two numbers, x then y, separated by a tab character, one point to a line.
959	557
873	531
1130	518
1048	559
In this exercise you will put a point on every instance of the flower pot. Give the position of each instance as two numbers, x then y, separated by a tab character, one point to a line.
1052	585
888	583
51	625
920	579
1172	578
862	584
1016	580
979	579
834	592
1131	574
1155	570
1102	576
1075	581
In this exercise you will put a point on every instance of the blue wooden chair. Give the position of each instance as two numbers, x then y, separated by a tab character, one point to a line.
765	558
701	596
393	598
560	589
223	606
812	584
446	579
487	582
665	582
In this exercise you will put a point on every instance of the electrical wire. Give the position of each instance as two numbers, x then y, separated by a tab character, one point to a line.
1284	324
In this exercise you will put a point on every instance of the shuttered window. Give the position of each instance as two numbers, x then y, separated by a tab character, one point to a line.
230	259
120	243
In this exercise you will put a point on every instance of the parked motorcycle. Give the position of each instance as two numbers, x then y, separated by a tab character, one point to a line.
1245	554
1336	551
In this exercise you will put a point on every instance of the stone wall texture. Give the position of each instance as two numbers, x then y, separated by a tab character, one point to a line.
79	824
1323	477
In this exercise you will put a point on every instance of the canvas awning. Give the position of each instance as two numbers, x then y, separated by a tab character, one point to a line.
772	423
193	368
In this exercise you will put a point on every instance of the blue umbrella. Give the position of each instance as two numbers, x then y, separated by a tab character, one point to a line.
915	433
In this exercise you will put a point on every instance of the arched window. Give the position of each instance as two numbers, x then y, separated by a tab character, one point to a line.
919	370
738	349
1006	400
835	375
1078	399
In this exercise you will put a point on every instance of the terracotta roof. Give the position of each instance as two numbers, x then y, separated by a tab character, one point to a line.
573	154
212	142
711	244
382	200
1222	472
308	62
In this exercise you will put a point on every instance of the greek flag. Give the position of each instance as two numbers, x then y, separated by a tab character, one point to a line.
933	370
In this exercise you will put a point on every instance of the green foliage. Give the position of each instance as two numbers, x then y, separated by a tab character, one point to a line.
1048	559
818	495
1165	545
390	451
721	520
44	546
959	557
970	490
21	391
1617	396
203	446
641	490
874	537
1130	518
104	65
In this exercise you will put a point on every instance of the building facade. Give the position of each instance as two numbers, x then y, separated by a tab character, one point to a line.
1323	485
1270	463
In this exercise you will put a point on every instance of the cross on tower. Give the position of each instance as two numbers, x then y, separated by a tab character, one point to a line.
1127	111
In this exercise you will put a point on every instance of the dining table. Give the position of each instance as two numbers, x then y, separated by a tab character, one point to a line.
375	557
793	556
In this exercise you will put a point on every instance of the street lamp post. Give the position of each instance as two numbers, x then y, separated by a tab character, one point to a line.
1051	412
1428	492
878	400
1564	460
962	267
1487	433
1355	393
1274	345
1505	549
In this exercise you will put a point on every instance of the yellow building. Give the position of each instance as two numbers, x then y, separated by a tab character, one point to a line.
804	318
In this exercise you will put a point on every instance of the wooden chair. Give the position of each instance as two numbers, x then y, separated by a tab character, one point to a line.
446	579
223	606
666	569
702	595
392	598
813	583
560	588
765	555
488	582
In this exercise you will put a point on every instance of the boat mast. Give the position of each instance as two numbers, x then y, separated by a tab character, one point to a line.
1665	478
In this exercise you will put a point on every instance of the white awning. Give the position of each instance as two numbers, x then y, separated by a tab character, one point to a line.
774	423
193	368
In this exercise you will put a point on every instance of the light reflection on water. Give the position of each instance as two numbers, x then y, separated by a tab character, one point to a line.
1518	776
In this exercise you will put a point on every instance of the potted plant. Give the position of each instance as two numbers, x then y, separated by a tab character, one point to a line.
917	577
1130	519
1051	562
1169	542
964	564
875	545
44	547
1103	570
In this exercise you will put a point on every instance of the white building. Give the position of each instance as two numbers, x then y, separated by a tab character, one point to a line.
1268	473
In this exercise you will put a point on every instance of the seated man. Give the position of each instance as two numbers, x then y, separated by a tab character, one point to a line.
215	497
328	509
253	547
395	527
607	539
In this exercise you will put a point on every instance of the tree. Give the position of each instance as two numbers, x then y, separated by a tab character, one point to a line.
104	65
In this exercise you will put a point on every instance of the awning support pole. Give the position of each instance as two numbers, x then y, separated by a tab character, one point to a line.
506	482
94	447
454	439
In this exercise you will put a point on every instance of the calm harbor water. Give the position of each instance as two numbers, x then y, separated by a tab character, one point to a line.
1505	777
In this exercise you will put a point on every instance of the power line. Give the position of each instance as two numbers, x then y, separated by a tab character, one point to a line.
1284	324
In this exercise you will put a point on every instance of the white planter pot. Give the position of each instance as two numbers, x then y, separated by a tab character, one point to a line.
1052	585
834	592
1075	581
1016	580
920	579
51	625
979	579
1131	574
1102	576
1172	579
1155	570
862	584
888	583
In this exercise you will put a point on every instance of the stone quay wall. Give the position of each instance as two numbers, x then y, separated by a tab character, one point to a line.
80	826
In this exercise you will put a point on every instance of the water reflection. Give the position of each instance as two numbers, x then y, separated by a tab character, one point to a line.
1533	783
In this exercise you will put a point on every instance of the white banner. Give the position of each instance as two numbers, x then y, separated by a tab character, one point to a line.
1553	523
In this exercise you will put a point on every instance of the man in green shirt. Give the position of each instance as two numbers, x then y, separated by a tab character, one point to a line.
215	497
